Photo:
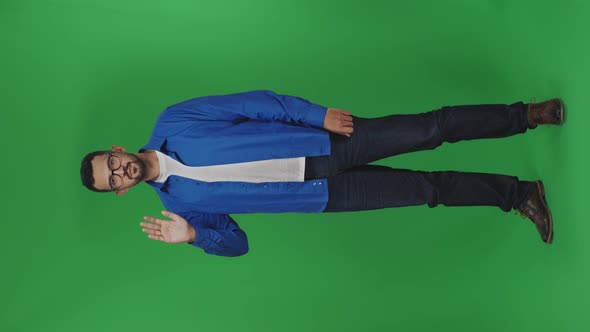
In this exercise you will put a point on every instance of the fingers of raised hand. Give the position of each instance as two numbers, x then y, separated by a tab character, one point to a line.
156	237
152	231
171	215
154	220
150	225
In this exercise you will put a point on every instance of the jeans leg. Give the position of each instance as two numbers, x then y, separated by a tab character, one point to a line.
372	187
383	137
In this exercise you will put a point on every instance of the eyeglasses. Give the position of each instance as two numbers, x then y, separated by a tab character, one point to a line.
115	180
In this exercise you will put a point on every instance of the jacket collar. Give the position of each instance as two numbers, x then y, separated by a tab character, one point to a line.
155	143
158	143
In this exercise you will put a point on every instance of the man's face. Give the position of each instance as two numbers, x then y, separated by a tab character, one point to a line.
117	171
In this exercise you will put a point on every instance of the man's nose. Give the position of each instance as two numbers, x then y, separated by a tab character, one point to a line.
120	172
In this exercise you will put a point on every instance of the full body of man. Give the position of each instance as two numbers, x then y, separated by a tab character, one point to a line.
261	152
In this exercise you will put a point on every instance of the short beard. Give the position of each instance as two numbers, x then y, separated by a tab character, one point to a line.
140	169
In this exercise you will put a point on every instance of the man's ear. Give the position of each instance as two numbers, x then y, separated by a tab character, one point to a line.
116	148
122	191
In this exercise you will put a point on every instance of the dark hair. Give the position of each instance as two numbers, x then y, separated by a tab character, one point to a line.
86	170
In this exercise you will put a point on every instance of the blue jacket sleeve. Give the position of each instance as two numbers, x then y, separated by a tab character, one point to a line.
259	105
217	234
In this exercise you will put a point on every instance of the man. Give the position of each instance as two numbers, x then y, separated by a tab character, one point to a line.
259	152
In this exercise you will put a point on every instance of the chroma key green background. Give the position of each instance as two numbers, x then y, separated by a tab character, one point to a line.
81	75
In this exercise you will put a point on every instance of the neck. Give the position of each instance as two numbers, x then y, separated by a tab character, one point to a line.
152	165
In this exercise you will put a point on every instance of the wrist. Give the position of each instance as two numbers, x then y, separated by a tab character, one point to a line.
192	234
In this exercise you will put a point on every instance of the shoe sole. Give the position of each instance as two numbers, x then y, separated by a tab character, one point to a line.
544	201
562	111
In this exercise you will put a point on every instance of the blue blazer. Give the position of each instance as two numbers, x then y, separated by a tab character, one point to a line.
235	128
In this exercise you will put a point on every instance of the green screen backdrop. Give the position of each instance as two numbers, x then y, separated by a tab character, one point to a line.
82	75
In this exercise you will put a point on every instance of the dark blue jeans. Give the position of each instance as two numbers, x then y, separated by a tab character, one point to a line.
353	185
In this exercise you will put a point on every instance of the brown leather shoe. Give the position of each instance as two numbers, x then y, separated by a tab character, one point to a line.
535	208
548	112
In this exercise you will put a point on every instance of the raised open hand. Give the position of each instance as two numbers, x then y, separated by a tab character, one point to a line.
177	230
338	121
